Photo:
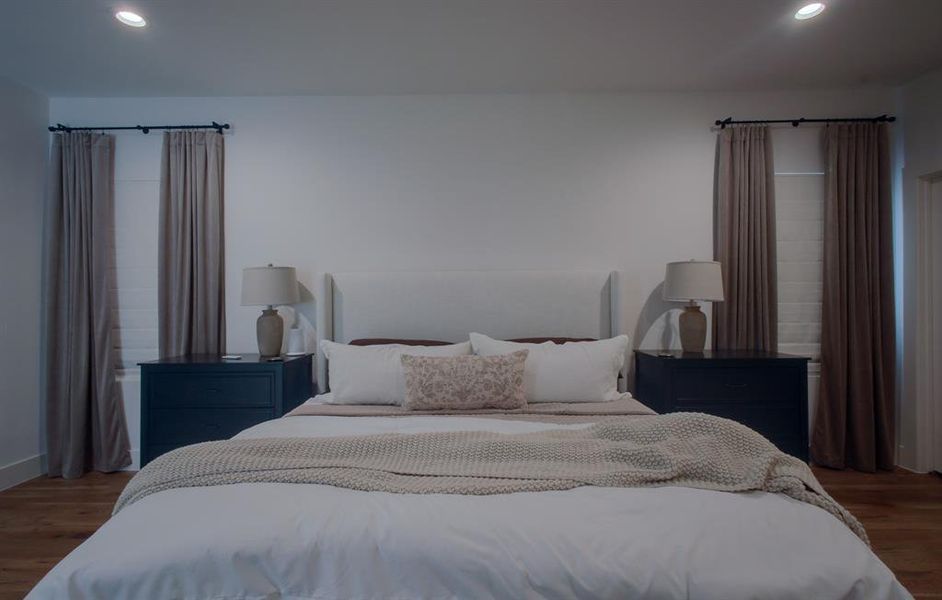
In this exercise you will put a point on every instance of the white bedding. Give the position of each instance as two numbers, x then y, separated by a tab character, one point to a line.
289	541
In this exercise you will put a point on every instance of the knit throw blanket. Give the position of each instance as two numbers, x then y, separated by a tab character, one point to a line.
679	449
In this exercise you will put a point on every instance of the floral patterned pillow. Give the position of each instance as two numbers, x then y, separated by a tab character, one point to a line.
464	382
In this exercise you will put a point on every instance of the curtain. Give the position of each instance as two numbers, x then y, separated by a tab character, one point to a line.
85	424
744	240
191	278
854	424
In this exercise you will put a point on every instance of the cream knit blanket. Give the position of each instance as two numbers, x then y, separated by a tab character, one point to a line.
680	449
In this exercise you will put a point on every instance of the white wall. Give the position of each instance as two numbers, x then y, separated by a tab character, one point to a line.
621	182
921	108
23	138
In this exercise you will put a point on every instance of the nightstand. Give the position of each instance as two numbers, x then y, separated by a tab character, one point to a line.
200	398
766	391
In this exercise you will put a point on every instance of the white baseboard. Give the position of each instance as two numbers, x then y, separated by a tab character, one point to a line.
31	468
24	470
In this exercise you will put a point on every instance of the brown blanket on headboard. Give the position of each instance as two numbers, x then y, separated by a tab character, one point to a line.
554	412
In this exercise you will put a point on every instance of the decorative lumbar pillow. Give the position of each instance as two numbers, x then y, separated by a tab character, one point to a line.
373	374
464	382
570	372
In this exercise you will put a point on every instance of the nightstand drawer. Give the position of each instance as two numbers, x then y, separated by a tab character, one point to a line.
796	446
191	390
183	426
732	385
769	420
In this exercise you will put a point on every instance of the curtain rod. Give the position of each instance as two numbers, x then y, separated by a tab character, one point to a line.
142	128
722	123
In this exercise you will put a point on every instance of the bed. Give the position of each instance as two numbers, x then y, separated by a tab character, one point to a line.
293	541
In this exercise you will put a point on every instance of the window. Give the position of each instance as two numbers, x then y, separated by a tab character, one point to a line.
137	190
799	207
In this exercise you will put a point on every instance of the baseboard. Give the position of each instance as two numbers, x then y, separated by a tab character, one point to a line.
24	470
911	470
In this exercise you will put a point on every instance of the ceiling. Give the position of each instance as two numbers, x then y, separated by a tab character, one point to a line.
298	47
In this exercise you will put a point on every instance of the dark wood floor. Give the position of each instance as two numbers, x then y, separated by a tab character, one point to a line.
902	513
43	520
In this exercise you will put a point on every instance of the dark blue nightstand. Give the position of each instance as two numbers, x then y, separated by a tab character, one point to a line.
767	391
200	398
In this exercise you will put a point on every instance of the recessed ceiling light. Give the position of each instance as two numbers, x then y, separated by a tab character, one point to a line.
809	10
129	18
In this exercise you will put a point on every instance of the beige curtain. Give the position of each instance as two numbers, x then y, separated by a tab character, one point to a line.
854	424
744	240
191	281
85	425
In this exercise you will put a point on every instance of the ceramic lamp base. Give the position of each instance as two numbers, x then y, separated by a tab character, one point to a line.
270	330
692	329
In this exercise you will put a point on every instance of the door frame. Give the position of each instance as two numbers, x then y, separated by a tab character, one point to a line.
928	410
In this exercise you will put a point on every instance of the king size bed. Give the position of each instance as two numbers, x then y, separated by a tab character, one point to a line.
549	500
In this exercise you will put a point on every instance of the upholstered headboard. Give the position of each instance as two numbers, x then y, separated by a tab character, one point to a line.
447	305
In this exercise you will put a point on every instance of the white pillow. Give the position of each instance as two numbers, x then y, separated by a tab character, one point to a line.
373	374
570	372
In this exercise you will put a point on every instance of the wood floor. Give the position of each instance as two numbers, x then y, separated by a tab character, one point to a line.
43	520
902	513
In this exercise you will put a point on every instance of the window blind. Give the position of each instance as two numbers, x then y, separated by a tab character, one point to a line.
799	213
137	189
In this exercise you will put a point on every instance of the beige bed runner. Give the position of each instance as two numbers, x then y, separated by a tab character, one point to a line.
680	449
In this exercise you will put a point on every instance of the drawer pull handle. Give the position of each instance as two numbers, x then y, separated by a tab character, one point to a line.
735	385
212	391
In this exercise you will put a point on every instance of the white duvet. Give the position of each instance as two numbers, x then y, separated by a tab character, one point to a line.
289	541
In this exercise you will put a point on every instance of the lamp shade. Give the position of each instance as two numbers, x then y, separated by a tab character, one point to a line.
693	280
269	286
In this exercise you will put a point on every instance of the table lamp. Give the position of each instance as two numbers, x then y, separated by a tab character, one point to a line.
269	286
688	282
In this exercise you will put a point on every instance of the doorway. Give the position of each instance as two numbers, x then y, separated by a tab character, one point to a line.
929	320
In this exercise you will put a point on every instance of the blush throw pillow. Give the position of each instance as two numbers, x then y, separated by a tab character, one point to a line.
373	374
464	382
570	372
